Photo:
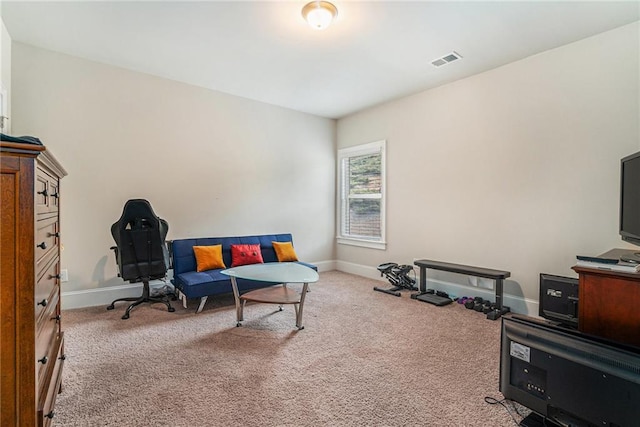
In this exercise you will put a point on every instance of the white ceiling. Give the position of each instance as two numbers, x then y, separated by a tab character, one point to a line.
374	52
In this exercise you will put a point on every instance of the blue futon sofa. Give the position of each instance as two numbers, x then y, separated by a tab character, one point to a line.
192	284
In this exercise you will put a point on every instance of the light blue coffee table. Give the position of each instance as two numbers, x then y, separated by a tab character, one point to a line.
276	272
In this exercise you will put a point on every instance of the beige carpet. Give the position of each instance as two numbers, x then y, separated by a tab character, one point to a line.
364	359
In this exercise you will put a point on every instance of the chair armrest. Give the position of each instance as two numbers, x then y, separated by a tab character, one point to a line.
115	252
169	244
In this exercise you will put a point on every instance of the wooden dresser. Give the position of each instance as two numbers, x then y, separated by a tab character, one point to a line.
608	304
31	337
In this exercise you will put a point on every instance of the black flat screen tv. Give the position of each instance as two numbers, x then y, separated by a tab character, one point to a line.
567	378
630	203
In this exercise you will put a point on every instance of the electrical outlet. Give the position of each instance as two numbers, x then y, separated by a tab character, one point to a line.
64	275
485	283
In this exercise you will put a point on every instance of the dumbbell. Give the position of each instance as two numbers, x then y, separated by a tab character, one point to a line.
488	307
479	305
470	303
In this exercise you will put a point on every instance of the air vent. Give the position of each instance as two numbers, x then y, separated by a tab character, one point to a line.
449	57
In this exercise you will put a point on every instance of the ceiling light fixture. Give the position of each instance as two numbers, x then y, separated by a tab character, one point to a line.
319	14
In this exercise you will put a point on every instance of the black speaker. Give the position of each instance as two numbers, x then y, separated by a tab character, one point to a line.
559	299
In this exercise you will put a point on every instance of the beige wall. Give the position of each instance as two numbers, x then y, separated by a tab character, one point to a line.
5	72
515	169
211	164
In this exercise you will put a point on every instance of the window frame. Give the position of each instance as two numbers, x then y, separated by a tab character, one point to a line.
377	147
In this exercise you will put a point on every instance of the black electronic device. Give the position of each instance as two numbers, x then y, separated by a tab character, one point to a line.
630	203
567	378
600	260
559	299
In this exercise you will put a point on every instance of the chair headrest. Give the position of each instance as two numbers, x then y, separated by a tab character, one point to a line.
138	214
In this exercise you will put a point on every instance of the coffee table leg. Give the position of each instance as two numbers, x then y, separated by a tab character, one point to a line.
236	296
300	306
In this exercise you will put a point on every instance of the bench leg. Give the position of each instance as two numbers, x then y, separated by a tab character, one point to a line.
203	300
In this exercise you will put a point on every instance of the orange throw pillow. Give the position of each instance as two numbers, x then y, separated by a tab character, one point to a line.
245	254
208	257
285	251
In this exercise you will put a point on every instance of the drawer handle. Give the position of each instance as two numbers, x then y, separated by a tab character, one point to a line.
56	234
44	302
63	357
57	318
42	245
50	415
43	360
54	276
55	195
44	192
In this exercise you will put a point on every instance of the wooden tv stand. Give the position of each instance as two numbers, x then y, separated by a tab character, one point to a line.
609	304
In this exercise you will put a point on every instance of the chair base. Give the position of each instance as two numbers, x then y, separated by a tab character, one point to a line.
145	297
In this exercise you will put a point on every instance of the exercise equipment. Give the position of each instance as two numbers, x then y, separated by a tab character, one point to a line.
432	296
398	276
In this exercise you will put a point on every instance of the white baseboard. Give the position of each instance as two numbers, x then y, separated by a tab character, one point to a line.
516	304
104	296
325	265
100	296
359	270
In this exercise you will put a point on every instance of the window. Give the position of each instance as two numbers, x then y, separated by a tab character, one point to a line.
362	188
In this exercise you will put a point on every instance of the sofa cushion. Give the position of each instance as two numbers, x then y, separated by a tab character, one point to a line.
208	257
195	285
184	259
193	278
245	254
285	251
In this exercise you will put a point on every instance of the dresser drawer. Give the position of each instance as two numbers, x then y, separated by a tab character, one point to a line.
47	240
47	282
47	192
51	384
47	332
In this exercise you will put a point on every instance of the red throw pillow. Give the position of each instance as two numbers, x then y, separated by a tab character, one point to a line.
245	254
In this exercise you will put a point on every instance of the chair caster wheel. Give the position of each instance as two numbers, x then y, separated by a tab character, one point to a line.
238	325
171	309
125	316
111	307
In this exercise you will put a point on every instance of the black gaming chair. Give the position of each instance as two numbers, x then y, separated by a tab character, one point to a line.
141	251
